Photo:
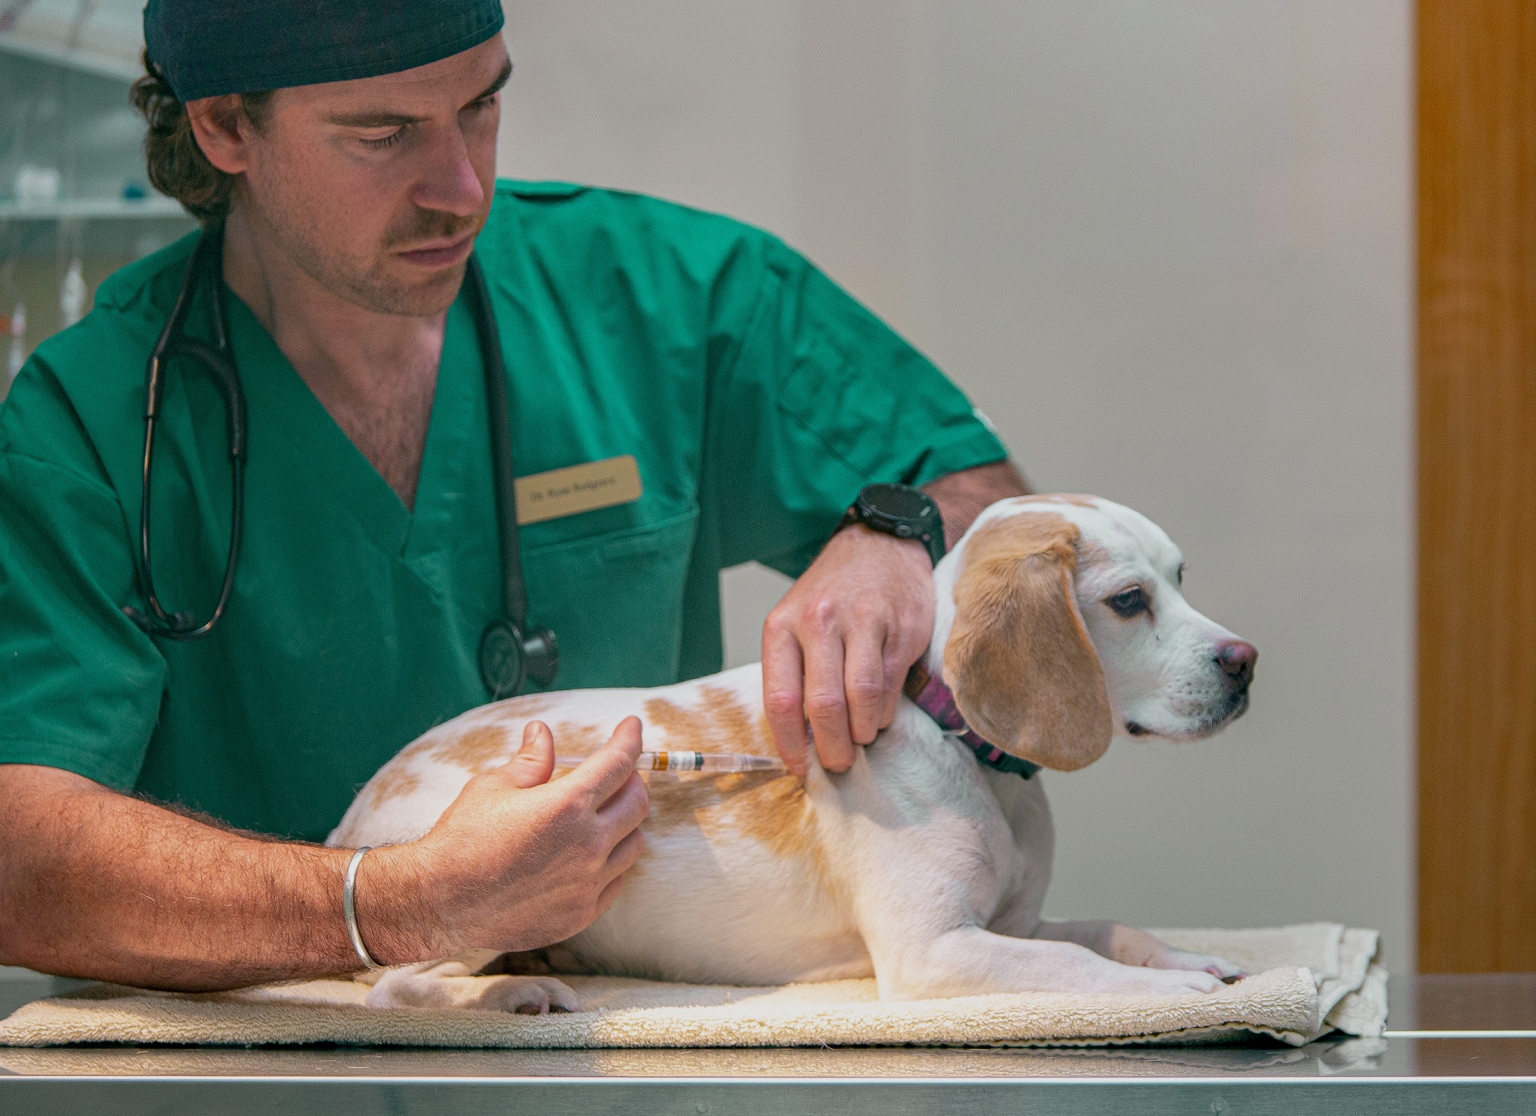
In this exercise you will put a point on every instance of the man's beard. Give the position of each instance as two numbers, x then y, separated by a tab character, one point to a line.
371	284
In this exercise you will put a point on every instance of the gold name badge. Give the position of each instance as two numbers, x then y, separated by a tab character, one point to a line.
579	488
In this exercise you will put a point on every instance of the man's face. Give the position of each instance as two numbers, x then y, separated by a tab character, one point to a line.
377	187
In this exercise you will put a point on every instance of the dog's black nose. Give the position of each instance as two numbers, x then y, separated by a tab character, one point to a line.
1236	658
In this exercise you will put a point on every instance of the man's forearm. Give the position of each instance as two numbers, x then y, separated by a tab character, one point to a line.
962	496
97	884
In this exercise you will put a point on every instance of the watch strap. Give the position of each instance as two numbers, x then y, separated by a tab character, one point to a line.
929	533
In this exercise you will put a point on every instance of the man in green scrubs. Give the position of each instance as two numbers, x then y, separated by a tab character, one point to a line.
754	395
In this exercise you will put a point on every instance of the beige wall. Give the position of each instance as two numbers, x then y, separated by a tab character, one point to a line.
1166	245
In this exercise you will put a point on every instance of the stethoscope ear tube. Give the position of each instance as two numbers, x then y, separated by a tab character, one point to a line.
510	650
207	260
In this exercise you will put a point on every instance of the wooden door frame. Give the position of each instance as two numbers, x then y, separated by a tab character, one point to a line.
1477	485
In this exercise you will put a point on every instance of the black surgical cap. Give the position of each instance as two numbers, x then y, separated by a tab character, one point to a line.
206	48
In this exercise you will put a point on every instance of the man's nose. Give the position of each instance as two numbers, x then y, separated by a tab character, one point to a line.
451	184
1236	658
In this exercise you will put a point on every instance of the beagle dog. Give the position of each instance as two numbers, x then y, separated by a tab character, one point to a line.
1059	622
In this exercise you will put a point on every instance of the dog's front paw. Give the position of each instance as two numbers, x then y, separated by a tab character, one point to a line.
527	995
1219	967
1136	981
1130	946
452	985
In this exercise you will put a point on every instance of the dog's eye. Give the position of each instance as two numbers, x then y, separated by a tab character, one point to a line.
1128	603
1181	575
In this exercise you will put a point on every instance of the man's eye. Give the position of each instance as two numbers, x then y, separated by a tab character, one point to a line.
1128	603
382	141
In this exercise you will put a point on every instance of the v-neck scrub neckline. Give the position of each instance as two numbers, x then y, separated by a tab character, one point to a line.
332	459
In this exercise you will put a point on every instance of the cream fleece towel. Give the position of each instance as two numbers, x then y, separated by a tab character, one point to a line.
1311	979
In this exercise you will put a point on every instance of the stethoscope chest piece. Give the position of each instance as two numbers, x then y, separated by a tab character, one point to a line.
508	657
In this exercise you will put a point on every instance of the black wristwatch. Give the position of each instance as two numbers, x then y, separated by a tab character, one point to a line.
900	510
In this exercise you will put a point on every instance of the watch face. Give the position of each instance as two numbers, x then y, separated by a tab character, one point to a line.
897	501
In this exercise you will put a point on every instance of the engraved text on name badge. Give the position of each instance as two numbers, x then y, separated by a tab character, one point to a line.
579	488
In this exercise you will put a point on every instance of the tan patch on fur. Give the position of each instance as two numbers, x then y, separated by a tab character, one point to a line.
572	739
771	809
476	750
681	799
490	745
526	707
776	812
719	723
1019	660
394	781
427	742
741	731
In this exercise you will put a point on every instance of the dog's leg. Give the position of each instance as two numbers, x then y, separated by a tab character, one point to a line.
969	960
925	877
931	942
463	982
1136	947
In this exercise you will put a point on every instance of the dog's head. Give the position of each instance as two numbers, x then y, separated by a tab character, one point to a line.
1062	621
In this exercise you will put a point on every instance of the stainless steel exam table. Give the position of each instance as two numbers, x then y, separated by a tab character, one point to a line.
1457	1044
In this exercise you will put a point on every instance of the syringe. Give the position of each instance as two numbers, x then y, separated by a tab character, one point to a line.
718	763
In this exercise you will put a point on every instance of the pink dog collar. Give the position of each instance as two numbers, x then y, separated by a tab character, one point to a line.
938	701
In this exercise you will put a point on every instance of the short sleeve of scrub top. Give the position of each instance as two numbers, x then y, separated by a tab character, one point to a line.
756	396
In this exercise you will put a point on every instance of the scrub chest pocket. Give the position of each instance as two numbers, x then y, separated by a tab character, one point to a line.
615	602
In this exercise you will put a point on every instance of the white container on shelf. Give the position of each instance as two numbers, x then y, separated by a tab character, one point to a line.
18	351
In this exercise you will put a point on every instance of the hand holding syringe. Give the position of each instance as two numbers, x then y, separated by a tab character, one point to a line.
717	763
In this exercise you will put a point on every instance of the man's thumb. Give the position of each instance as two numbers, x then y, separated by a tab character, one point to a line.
535	760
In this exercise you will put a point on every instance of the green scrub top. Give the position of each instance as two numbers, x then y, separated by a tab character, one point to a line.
756	395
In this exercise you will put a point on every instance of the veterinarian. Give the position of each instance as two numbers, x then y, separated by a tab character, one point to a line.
685	393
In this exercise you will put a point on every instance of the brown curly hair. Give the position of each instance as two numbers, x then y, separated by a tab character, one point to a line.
176	164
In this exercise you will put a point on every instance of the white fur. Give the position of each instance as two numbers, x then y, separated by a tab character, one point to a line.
922	869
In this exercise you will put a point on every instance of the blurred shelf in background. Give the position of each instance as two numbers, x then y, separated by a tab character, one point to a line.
75	58
67	208
75	203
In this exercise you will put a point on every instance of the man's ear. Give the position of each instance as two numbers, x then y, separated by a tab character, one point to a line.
1018	660
222	130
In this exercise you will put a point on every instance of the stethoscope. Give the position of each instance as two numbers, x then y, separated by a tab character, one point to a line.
511	650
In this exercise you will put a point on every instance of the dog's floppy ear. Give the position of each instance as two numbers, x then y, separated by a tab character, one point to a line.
1018	660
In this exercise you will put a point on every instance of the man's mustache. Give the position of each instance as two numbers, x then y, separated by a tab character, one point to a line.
431	226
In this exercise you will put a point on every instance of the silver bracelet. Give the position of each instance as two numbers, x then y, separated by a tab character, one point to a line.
349	908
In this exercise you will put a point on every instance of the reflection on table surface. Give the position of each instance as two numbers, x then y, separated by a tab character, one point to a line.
1463	1002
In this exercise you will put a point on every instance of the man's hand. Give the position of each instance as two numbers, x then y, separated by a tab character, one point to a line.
837	648
516	861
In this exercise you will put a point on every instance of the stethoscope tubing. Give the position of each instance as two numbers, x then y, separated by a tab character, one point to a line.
514	594
207	260
507	654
